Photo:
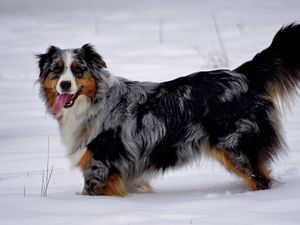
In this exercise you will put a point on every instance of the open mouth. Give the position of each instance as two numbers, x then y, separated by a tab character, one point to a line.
64	101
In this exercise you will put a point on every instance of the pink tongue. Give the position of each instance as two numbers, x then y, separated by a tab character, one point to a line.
60	102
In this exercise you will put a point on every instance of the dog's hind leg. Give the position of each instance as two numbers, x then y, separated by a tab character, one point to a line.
255	174
250	144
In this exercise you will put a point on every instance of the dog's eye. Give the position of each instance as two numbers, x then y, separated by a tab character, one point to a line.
56	71
78	72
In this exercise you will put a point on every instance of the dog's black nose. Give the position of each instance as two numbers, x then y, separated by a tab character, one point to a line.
65	85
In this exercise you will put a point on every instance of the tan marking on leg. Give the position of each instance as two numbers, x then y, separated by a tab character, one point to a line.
114	186
265	171
85	160
222	157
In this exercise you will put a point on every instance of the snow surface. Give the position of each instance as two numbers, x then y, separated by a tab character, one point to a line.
141	40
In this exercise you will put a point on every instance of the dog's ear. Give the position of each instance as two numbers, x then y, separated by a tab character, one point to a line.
90	55
44	60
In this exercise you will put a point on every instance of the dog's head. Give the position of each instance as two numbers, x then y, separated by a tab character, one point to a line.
65	74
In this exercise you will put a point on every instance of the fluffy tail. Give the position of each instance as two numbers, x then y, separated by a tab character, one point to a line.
275	72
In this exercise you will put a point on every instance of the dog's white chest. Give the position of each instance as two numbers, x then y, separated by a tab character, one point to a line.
71	126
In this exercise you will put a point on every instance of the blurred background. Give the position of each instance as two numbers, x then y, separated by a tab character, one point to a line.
149	40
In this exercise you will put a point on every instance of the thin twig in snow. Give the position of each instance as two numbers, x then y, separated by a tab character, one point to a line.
46	178
226	61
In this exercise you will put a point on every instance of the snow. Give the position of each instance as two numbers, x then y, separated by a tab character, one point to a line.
141	40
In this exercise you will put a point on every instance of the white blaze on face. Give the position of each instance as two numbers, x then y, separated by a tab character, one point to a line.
67	74
68	90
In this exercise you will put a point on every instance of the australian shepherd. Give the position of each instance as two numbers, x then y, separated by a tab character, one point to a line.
121	133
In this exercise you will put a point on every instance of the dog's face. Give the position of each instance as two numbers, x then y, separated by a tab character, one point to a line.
67	74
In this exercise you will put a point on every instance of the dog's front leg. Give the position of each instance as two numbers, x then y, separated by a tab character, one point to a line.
100	179
95	178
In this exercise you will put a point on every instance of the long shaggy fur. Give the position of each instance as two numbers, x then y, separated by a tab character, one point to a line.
121	132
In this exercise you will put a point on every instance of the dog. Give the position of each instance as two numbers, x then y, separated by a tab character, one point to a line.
121	133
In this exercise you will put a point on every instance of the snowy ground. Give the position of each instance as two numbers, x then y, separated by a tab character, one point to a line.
141	40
